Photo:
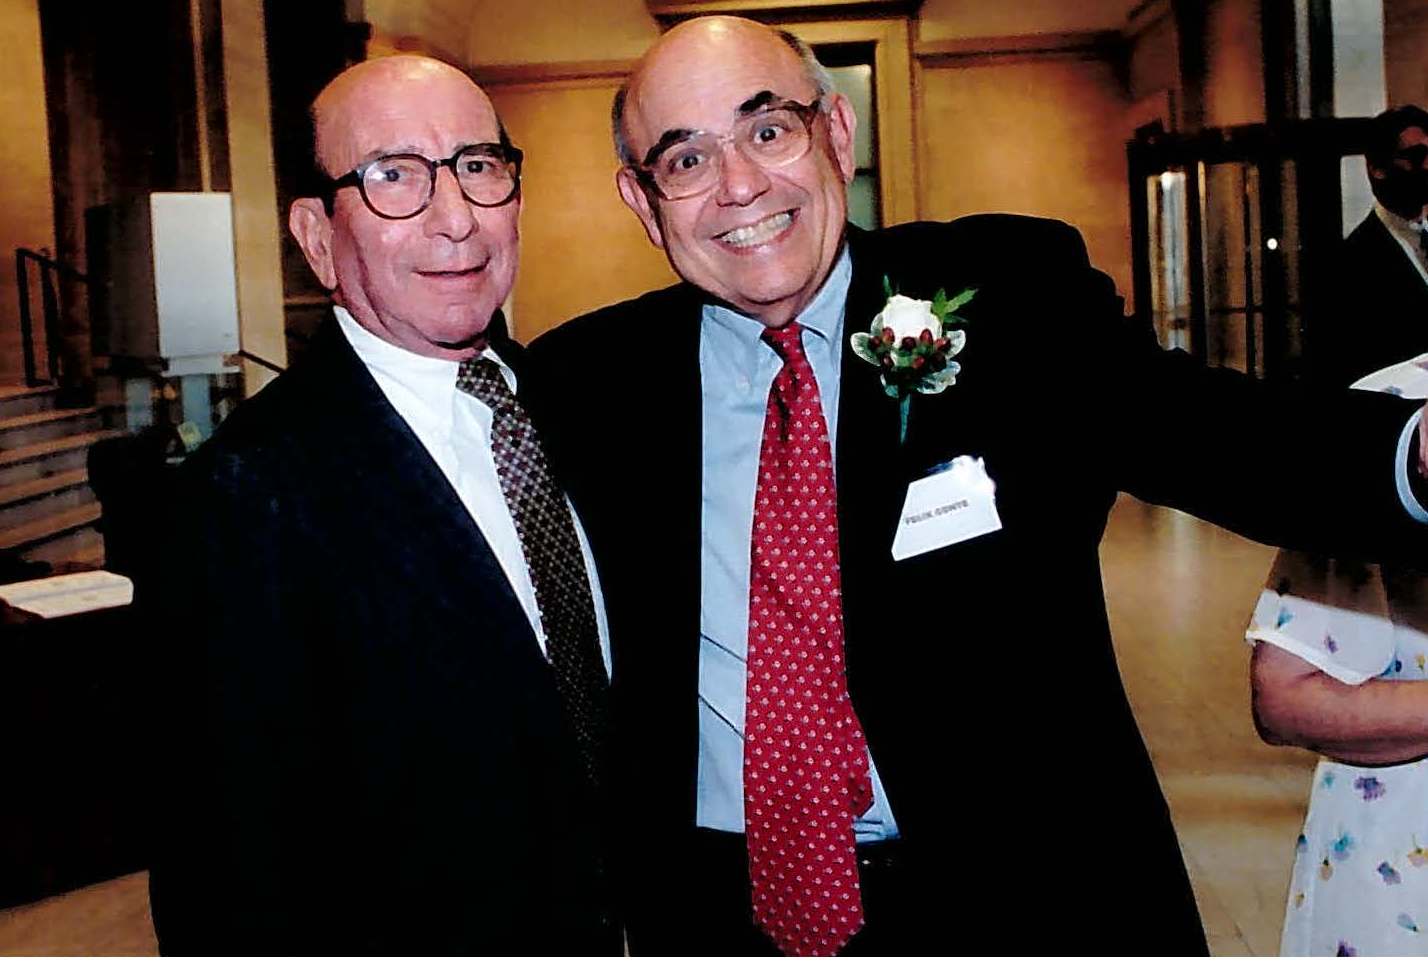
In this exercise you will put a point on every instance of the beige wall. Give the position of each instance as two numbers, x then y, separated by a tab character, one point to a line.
1154	59
1234	63
1049	139
27	215
558	31
580	247
438	25
960	19
1405	34
1040	136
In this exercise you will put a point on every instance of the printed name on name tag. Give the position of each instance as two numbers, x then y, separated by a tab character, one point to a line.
952	505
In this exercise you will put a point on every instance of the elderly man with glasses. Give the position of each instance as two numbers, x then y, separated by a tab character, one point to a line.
384	704
864	690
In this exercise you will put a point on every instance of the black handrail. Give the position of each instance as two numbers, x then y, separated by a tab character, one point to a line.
266	364
49	300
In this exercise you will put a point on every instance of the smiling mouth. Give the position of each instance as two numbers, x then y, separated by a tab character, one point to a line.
450	273
757	233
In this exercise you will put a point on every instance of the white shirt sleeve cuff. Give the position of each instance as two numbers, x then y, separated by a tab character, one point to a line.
1401	466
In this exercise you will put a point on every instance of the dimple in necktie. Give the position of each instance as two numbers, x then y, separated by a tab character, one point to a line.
805	760
553	556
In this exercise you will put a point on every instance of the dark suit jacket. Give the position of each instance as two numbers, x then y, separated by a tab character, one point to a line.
1374	312
362	749
983	672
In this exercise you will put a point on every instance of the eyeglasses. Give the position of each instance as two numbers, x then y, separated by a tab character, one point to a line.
775	136
1415	156
401	185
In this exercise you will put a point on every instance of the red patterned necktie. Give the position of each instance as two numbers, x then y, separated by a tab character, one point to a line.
805	761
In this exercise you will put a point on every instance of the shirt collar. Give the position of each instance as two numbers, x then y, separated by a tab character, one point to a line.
430	380
823	316
1408	229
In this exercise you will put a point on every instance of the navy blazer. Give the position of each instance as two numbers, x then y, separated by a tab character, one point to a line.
362	749
983	672
1374	312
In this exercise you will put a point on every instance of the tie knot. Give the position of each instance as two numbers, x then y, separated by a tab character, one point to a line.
787	341
482	378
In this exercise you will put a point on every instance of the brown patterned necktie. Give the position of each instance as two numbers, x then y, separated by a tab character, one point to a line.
805	761
553	555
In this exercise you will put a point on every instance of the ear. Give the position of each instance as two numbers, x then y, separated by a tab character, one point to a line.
1375	172
638	200
311	227
842	124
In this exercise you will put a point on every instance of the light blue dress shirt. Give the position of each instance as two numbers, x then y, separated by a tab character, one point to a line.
737	369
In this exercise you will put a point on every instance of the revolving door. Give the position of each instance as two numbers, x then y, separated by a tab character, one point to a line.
1232	232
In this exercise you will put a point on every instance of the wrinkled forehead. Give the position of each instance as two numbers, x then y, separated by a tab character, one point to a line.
433	116
708	87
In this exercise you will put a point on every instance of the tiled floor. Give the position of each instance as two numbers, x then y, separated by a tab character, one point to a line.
1180	592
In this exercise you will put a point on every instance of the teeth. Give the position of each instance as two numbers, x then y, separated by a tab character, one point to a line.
757	233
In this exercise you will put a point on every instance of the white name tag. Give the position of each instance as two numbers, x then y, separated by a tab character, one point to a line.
954	504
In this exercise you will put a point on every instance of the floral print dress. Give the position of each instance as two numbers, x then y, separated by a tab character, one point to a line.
1360	881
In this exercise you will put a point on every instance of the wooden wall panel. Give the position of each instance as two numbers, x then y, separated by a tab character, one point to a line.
558	31
1037	136
1405	40
1154	59
580	247
27	216
1234	63
256	228
958	19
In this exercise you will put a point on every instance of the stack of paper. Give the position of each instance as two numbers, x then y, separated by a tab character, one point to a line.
69	594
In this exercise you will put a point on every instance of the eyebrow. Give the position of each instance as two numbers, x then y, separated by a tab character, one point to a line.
668	138
756	102
411	149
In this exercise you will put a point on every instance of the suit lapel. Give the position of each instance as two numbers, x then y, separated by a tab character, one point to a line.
870	459
411	512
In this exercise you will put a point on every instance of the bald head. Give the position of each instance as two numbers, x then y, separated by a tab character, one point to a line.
378	88
712	36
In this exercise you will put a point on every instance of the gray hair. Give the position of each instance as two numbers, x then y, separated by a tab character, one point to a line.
815	72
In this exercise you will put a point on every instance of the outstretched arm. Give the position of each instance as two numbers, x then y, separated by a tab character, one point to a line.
1377	722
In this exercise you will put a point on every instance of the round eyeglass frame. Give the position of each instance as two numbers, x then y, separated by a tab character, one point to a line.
807	112
505	153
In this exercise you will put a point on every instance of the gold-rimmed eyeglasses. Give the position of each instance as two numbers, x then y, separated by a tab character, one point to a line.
686	163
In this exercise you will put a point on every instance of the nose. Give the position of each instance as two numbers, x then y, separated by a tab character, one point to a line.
741	180
449	214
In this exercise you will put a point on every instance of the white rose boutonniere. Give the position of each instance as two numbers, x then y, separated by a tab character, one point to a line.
913	341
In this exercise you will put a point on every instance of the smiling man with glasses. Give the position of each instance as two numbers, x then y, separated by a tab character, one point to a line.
866	700
386	715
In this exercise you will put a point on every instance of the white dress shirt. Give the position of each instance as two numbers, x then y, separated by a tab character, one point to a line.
455	429
1407	232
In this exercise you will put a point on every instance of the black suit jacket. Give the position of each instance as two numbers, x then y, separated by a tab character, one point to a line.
362	748
1374	311
983	672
